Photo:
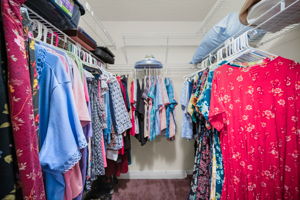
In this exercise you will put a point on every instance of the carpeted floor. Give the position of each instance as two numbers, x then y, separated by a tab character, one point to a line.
163	189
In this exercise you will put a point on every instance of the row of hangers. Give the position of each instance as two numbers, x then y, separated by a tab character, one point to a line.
234	50
47	35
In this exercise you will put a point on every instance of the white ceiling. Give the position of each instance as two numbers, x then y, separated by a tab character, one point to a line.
168	29
151	10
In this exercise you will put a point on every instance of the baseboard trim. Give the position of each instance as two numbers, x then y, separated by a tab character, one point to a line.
157	174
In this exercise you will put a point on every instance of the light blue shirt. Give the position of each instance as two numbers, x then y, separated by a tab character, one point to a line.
61	134
187	124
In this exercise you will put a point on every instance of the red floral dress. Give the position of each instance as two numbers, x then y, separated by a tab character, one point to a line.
20	99
257	110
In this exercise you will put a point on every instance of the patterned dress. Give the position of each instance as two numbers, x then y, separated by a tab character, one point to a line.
257	110
200	186
97	163
7	152
20	100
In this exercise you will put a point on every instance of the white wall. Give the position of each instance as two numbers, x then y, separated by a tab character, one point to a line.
287	46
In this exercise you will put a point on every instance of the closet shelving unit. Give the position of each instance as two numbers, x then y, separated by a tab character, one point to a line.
284	13
65	39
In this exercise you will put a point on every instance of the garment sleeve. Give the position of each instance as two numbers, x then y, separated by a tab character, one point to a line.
217	113
63	133
59	151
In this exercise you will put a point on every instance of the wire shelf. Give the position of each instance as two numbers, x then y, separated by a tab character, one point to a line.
62	37
275	21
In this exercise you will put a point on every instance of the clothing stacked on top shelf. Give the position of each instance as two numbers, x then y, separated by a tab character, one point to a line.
152	108
251	111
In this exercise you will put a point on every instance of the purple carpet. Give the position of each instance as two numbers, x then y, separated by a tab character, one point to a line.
164	189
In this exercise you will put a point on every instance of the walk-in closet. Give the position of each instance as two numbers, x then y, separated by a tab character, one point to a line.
149	100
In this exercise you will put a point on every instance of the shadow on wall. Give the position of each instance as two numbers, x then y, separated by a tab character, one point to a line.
161	154
287	46
159	149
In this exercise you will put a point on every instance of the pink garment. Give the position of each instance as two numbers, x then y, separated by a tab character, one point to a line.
257	111
79	97
85	87
101	100
73	182
133	108
162	112
20	99
104	153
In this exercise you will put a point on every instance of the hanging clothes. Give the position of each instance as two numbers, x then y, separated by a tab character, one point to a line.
8	162
171	122
97	162
200	186
140	113
20	100
120	116
187	124
264	100
59	149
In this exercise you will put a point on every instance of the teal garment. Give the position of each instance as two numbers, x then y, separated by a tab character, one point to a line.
151	95
171	106
203	102
158	105
219	169
61	134
107	130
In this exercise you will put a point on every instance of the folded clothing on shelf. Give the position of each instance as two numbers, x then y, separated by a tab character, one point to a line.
226	28
80	36
105	55
64	14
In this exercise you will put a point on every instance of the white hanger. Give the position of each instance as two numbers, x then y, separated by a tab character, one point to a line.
39	26
45	31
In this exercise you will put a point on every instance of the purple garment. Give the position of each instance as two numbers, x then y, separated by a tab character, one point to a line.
88	132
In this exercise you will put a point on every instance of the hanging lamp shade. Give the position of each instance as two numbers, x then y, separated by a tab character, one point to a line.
148	62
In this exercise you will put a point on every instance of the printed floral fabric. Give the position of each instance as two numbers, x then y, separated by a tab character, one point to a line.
7	151
257	110
217	173
200	186
34	82
203	102
20	100
198	87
